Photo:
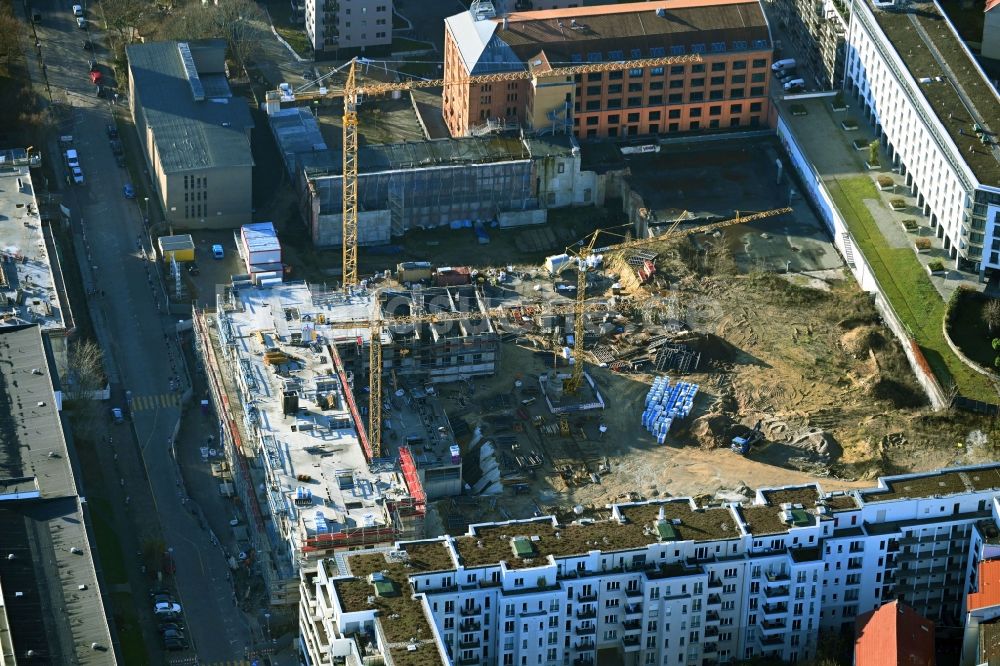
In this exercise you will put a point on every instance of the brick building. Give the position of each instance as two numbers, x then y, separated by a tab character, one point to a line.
727	89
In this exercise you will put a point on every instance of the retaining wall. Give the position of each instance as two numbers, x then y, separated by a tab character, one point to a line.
843	240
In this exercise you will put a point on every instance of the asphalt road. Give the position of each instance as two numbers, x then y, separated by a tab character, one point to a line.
137	336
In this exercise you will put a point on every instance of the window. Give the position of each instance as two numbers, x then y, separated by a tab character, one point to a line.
615	76
632	118
718	66
739	78
635	73
673	127
736	93
757	91
713	123
697	69
694	125
656	85
613	119
594	76
715	110
740	45
718	81
615	89
738	108
634	101
758	63
656	71
674	113
698	83
593	105
593	90
676	70
655	100
715	95
635	87
677	50
616	55
676	83
695	113
697	48
757	77
734	122
696	97
592	120
739	64
675	98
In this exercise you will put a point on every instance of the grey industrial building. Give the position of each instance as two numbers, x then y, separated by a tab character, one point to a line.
52	611
194	132
426	184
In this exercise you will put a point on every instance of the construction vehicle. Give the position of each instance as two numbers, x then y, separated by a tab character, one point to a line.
742	445
539	71
583	251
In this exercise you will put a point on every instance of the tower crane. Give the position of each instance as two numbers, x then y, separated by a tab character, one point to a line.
538	68
582	251
380	322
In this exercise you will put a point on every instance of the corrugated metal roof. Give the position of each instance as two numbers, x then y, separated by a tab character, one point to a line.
260	236
189	134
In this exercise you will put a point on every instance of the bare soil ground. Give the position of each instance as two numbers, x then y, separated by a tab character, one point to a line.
806	355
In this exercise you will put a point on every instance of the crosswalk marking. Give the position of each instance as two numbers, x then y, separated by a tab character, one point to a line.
159	401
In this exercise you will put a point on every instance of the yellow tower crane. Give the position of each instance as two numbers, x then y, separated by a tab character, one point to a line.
581	252
379	323
352	90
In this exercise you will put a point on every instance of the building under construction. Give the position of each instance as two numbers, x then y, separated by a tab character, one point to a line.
285	363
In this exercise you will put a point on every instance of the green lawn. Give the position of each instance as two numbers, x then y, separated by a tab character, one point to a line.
129	631
908	287
969	331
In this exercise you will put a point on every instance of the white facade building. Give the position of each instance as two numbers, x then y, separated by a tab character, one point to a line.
660	582
937	117
345	27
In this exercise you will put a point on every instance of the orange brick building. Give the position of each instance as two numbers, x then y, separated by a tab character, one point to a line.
727	89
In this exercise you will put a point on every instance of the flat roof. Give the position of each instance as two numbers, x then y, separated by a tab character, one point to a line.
321	474
190	133
32	448
297	132
949	79
947	482
26	278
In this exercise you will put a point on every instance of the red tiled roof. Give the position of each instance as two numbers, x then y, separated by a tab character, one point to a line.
895	634
989	577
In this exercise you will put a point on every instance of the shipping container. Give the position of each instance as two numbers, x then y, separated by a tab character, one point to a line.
452	276
413	271
179	248
260	244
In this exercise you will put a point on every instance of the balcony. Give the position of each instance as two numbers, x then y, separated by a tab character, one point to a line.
714	583
633	609
711	632
470	625
585	598
714	600
586	631
776	639
709	648
633	592
468	661
630	643
469	645
776	592
775	609
632	625
467	611
770	627
586	613
580	661
584	645
712	617
779	577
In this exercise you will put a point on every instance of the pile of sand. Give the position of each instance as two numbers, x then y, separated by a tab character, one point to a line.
711	430
858	341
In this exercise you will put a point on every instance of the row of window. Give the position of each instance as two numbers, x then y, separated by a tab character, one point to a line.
676	70
654	128
613	103
195	182
674	84
695	112
197	210
676	49
195	196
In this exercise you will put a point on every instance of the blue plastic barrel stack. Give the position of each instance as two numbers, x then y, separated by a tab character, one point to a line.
665	403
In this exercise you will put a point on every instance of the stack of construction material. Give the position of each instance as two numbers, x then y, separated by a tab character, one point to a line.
665	403
261	251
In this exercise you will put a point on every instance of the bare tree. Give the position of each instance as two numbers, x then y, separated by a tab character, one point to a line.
85	367
240	22
124	17
10	32
991	314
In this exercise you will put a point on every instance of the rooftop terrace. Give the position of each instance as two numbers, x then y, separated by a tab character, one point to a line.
944	483
26	279
930	48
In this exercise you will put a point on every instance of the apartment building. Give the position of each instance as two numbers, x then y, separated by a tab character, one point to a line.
660	582
817	28
725	88
344	28
933	107
195	134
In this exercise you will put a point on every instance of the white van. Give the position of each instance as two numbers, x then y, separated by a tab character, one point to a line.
794	84
780	65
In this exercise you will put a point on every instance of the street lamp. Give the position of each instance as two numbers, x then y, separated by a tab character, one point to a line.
145	210
267	619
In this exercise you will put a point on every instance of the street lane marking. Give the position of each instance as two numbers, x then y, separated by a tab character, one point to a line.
159	401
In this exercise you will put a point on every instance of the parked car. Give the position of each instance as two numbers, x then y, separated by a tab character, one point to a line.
786	74
116	147
77	175
163	598
167	608
167	626
218	252
117	415
174	634
121	161
77	10
787	63
794	84
174	644
128	191
95	77
111	130
72	158
81	23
